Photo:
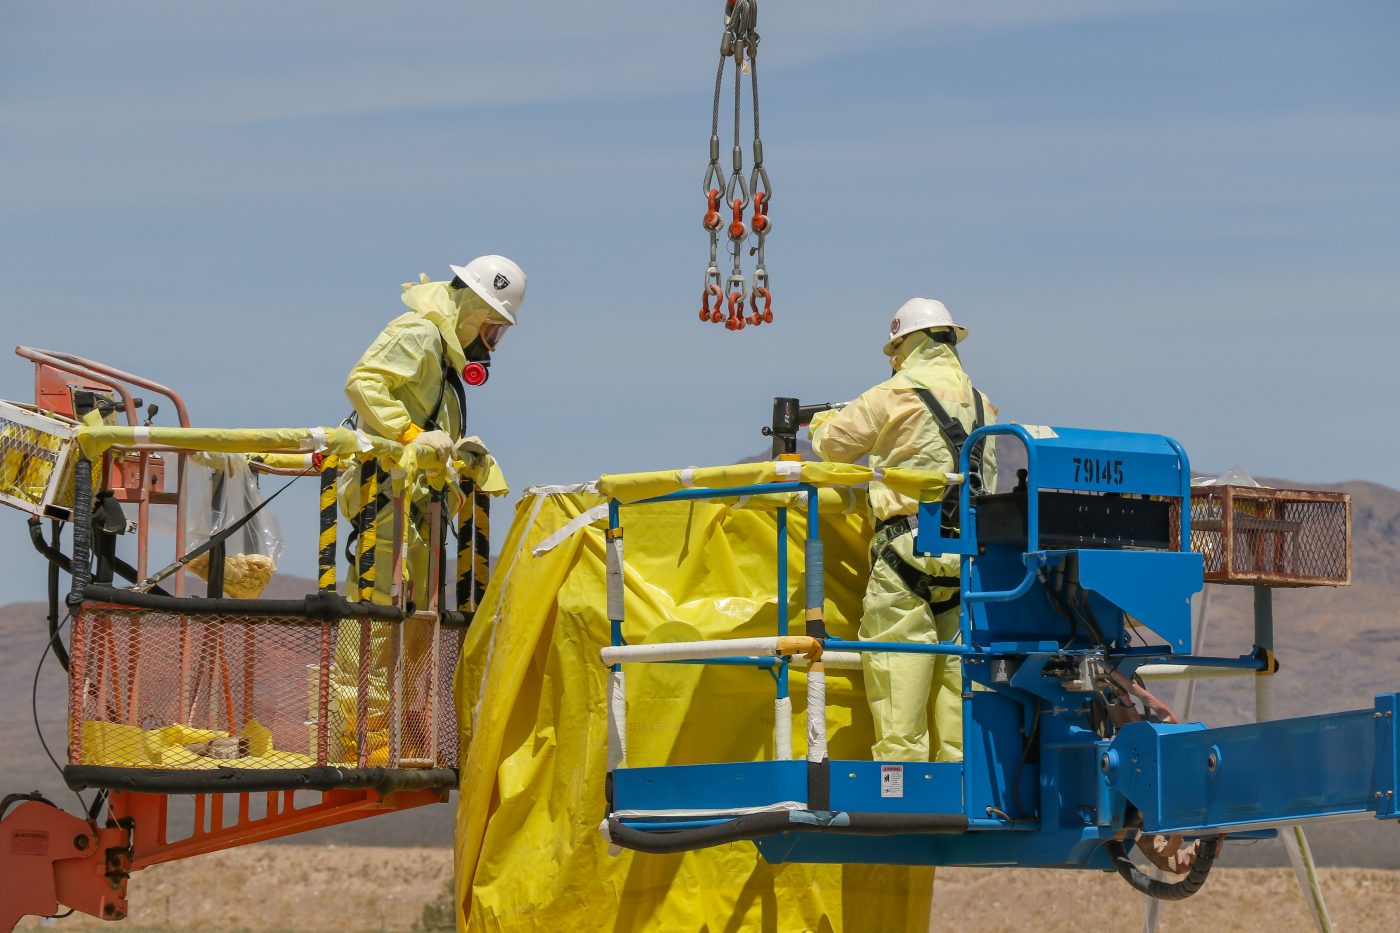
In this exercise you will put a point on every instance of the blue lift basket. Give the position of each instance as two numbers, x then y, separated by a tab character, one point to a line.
1074	580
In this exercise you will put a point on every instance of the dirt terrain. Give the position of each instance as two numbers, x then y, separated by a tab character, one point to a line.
323	888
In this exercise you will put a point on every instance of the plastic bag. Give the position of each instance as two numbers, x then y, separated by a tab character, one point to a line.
220	489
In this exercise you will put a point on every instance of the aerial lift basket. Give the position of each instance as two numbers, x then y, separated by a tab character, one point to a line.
36	460
1272	537
180	699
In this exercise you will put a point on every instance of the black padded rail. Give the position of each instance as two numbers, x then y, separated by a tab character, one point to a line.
320	607
759	825
253	780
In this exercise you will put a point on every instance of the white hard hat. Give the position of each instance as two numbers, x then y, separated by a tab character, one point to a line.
922	314
498	280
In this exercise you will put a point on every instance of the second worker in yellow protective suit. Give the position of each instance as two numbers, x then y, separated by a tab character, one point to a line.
407	387
909	598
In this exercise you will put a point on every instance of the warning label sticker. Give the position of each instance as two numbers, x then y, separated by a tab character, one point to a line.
891	780
29	842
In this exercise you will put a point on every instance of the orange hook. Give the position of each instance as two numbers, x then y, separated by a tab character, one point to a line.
711	219
766	315
737	230
736	311
760	212
707	313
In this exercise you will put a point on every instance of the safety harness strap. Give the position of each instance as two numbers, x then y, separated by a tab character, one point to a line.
922	584
956	436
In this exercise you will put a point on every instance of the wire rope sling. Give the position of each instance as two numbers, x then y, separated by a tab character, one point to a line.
740	43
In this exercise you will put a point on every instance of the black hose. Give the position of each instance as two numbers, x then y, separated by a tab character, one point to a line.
1207	850
760	825
36	533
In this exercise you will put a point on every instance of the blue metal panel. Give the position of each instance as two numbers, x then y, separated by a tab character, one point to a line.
995	754
1079	849
1108	461
1154	587
1188	778
1387	783
709	787
896	787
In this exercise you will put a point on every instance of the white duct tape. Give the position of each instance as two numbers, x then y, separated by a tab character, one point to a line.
316	442
816	713
836	660
363	442
782	728
613	848
617	719
690	650
141	434
687	477
595	514
788	470
953	479
616	587
561	489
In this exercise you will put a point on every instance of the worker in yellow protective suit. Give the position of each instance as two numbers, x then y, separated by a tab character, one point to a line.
407	387
917	418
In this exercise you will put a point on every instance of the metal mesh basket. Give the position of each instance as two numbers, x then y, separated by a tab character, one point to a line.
1272	537
36	462
203	691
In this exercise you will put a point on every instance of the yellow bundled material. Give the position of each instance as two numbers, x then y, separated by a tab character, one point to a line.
34	448
245	575
530	704
185	748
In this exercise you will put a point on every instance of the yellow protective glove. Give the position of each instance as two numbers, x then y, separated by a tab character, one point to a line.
437	441
470	446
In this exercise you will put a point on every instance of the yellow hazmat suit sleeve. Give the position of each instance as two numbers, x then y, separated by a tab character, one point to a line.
893	426
398	380
530	705
395	383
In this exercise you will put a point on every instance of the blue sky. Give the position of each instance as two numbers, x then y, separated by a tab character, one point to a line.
1180	217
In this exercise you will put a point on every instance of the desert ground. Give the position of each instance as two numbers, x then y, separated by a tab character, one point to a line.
354	888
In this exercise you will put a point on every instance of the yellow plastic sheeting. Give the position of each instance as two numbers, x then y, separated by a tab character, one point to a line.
633	487
530	694
119	745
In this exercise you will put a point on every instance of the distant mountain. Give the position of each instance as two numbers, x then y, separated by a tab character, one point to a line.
1338	649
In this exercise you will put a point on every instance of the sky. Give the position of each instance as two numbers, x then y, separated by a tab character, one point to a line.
1175	217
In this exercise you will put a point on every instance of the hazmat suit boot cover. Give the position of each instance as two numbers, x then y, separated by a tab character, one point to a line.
893	426
531	708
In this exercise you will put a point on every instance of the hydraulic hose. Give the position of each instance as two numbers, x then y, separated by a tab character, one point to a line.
36	534
1207	850
65	564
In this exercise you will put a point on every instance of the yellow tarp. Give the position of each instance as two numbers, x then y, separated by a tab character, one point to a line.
531	707
633	487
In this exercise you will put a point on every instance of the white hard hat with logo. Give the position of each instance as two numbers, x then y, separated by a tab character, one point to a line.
922	314
499	282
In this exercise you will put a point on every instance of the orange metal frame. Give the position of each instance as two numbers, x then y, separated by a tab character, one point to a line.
50	860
